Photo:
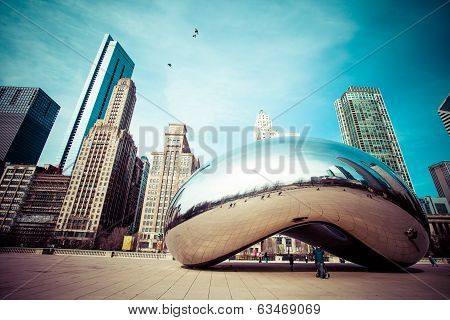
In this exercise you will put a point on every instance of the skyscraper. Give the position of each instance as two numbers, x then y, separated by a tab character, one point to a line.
27	116
111	64
95	202
36	219
264	129
263	126
133	195
444	113
14	186
440	172
365	124
141	194
169	170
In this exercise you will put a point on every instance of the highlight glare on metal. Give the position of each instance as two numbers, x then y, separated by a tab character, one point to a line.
323	193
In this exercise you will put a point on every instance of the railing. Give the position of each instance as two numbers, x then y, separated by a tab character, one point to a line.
142	255
78	252
87	253
20	250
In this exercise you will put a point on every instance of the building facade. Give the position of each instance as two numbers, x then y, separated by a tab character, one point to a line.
263	126
264	129
440	234
169	170
440	172
141	195
14	186
434	205
27	116
364	123
35	222
444	113
111	64
133	195
96	200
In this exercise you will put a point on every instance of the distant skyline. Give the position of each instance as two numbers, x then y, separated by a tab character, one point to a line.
248	56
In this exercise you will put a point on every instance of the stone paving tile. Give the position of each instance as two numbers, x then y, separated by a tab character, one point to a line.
25	276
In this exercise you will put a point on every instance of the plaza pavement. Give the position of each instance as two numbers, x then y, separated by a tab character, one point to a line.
24	276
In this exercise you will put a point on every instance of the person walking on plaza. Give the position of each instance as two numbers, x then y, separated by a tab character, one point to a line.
291	261
432	260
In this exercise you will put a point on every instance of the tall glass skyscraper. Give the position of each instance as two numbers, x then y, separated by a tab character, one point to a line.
27	116
111	64
365	124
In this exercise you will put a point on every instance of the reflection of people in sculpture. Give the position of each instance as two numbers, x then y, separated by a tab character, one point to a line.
411	233
266	257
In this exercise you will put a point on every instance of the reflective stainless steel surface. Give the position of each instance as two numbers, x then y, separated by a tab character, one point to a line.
321	192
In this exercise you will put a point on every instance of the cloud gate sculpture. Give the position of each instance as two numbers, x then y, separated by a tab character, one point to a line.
320	192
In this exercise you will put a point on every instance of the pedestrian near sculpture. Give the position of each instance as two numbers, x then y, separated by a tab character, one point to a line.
291	261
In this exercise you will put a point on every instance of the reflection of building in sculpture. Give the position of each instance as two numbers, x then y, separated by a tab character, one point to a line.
100	183
444	113
36	220
365	124
169	170
440	172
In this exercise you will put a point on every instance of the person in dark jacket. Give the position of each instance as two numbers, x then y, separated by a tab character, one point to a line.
320	262
432	260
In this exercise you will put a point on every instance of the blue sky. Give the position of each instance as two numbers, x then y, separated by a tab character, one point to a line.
250	55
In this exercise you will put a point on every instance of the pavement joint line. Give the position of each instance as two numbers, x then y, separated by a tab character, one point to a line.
228	285
210	281
162	278
28	281
170	287
190	287
238	273
135	284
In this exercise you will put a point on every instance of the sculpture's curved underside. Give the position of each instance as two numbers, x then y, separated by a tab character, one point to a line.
320	192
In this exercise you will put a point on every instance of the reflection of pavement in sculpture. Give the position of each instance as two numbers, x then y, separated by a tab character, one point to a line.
360	216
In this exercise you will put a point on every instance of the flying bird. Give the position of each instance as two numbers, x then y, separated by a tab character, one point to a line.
195	33
169	64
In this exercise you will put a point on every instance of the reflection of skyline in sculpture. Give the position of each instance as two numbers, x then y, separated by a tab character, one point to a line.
353	213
